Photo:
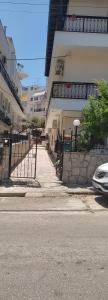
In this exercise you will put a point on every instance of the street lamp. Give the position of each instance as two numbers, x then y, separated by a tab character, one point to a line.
76	124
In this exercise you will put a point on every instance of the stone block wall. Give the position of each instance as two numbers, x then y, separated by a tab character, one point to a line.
79	167
4	164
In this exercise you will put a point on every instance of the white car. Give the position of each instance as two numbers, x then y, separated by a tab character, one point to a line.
100	179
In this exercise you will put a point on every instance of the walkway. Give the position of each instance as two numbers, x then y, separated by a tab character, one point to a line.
45	170
46	174
46	182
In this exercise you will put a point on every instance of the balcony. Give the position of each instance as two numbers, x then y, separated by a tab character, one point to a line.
39	109
87	24
10	84
5	119
71	90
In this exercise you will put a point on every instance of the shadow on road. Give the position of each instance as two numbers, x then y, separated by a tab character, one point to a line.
20	182
102	200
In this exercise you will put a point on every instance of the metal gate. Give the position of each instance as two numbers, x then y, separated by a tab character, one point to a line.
18	156
23	159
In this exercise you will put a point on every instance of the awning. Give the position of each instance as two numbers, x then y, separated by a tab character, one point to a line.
39	94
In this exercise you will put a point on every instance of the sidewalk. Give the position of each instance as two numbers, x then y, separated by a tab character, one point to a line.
46	183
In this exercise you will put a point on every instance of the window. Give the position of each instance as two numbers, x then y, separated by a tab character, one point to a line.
31	109
35	98
31	98
25	88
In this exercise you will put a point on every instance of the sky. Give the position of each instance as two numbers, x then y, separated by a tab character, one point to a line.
27	25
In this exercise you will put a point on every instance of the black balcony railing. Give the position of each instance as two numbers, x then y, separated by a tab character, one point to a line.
5	118
86	24
73	90
39	109
10	84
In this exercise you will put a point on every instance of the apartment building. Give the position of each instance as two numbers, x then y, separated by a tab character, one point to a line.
11	111
76	56
34	101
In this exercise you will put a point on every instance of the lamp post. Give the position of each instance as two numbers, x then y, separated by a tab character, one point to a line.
76	124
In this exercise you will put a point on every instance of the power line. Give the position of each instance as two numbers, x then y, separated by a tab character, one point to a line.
24	11
24	3
36	58
42	12
46	4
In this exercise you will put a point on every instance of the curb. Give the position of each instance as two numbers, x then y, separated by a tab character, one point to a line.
16	194
47	194
83	192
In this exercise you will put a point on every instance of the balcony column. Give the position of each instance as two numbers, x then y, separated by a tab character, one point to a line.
60	15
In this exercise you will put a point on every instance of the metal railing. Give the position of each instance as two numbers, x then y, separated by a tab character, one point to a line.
10	84
88	24
15	137
39	109
73	90
5	118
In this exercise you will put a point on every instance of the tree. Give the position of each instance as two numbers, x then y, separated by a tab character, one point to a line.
94	125
42	122
35	121
38	122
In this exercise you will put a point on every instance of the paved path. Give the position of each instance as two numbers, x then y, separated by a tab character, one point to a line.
45	170
46	174
46	183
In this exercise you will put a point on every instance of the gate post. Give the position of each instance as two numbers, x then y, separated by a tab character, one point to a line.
10	156
35	159
63	137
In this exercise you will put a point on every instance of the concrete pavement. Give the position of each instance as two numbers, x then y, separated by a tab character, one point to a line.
75	203
47	192
46	182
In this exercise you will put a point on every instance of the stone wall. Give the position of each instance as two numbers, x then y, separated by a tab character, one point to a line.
4	164
78	168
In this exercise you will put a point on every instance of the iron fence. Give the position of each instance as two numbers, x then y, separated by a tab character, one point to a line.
72	90
86	24
14	137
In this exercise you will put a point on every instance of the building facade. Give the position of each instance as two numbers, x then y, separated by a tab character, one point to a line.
34	101
11	111
76	56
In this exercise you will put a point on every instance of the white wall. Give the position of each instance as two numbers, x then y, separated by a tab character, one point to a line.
86	66
69	104
31	106
88	7
4	46
7	93
87	54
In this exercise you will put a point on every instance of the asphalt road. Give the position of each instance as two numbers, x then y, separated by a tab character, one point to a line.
53	255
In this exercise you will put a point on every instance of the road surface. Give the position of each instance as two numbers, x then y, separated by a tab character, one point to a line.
53	255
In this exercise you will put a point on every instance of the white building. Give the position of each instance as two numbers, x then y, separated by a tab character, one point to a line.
11	111
77	55
34	101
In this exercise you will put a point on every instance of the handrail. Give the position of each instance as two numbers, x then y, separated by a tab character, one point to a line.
81	23
73	90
